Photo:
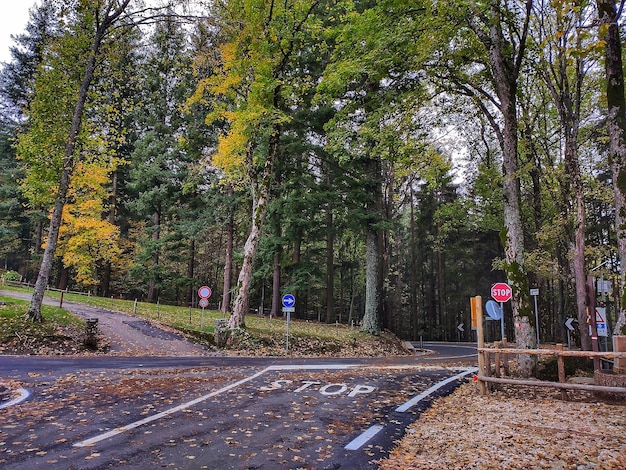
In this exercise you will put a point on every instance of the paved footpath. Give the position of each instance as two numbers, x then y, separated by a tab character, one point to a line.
128	335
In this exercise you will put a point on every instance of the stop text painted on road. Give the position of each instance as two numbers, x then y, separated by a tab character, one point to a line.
327	390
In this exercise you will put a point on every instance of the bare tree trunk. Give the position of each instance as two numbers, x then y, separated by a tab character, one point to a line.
374	260
152	285
110	15
191	262
413	274
505	63
276	282
260	195
228	258
616	123
330	266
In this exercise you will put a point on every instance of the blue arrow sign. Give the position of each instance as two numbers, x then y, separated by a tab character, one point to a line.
289	300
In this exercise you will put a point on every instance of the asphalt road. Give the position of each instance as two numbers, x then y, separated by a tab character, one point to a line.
194	412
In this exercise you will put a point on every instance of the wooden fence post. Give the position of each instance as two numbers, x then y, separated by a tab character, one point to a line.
477	311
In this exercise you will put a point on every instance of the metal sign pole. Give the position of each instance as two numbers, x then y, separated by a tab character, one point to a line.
288	320
502	319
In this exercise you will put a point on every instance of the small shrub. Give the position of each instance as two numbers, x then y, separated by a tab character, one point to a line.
11	276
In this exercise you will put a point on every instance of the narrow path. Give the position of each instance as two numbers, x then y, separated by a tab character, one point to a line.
129	335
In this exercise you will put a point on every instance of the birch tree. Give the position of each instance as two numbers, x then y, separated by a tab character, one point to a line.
88	27
258	41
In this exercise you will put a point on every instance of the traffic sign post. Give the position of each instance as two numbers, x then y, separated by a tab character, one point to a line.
204	293
570	328
204	302
289	305
476	307
535	294
501	292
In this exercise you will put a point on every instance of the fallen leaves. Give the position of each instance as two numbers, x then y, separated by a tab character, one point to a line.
513	430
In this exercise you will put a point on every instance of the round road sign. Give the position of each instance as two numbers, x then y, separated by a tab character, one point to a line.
204	302
501	292
289	300
204	292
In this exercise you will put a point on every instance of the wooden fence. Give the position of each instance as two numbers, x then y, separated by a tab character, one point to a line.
501	360
501	356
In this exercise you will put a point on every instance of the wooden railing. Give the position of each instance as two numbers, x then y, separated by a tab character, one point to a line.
486	376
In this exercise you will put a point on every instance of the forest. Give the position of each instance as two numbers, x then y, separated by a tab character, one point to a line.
381	160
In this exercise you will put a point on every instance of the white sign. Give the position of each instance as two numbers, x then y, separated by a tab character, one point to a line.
604	286
601	321
534	292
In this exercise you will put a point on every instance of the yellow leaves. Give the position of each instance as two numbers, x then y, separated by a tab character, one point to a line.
85	239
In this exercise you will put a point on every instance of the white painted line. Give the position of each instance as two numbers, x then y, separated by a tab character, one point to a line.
313	367
415	400
149	419
23	395
356	443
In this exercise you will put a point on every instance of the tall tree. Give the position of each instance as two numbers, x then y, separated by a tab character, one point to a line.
483	60
162	156
84	38
609	12
564	75
259	42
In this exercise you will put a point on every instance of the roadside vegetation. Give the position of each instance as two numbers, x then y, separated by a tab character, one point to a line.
263	336
59	333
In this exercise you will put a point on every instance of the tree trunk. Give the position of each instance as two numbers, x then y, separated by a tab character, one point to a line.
276	283
152	285
505	64
105	284
413	272
260	195
228	258
616	123
191	262
331	315
374	259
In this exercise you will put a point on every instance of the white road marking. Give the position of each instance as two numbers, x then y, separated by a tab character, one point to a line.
356	443
415	400
114	432
23	395
149	419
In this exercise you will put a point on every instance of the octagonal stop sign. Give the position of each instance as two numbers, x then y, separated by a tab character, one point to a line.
501	292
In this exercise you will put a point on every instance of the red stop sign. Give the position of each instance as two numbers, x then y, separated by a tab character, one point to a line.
501	292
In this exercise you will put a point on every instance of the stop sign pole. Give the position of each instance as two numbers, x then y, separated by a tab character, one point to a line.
501	292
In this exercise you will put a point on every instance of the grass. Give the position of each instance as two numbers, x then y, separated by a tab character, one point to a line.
261	332
17	334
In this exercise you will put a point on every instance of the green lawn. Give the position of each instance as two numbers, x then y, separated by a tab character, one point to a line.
262	333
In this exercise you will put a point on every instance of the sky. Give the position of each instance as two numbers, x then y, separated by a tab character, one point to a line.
13	20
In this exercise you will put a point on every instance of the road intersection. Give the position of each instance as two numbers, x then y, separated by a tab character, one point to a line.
214	412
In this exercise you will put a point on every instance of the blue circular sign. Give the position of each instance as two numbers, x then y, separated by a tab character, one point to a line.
493	310
289	300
